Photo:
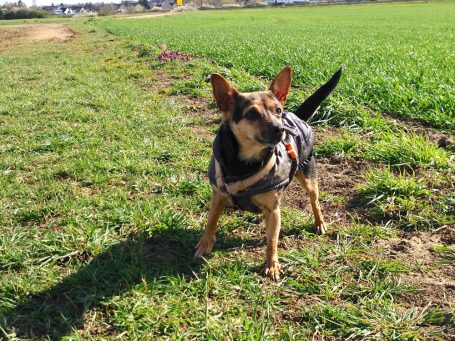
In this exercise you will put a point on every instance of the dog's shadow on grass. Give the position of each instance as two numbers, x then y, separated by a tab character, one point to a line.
53	313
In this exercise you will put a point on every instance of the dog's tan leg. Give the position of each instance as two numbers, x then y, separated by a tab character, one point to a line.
310	184
273	224
270	205
217	204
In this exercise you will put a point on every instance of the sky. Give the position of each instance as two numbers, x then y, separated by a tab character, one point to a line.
49	2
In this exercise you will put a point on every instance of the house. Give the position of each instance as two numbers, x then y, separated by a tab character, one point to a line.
122	9
57	9
49	9
127	6
167	4
54	9
93	7
69	11
80	12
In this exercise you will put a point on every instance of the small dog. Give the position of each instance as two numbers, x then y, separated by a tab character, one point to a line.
259	148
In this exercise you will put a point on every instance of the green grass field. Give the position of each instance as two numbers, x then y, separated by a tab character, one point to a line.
103	154
390	65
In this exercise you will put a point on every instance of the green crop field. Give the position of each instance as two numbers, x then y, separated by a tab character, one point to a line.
103	194
399	59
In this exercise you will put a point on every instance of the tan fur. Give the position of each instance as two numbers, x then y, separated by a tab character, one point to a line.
281	84
246	132
217	204
269	203
310	185
250	149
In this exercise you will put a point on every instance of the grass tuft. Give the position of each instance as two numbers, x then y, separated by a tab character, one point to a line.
406	199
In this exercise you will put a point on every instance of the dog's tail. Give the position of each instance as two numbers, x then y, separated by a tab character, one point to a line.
311	104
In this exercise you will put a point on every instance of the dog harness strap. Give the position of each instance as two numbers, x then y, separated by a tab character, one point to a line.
219	175
238	186
220	182
241	185
294	152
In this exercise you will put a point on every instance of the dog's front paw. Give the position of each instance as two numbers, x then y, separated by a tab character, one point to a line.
203	247
320	228
274	271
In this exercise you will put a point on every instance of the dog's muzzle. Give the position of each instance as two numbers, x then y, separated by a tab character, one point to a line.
273	134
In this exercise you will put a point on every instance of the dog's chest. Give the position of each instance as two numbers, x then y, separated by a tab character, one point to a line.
298	133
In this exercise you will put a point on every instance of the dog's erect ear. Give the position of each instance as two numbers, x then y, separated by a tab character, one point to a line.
223	92
281	84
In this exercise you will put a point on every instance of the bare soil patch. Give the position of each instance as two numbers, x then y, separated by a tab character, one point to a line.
435	280
419	128
13	35
193	107
8	37
338	179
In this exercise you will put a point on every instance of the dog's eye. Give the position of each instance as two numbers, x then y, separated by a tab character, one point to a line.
252	115
278	110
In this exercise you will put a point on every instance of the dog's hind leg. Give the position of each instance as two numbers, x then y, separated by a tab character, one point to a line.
217	204
308	180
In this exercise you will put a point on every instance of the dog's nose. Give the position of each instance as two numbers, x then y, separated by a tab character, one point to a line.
273	133
277	129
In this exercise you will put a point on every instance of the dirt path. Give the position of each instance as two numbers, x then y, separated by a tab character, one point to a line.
13	35
149	15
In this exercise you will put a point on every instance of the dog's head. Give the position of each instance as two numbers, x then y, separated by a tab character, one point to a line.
254	118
